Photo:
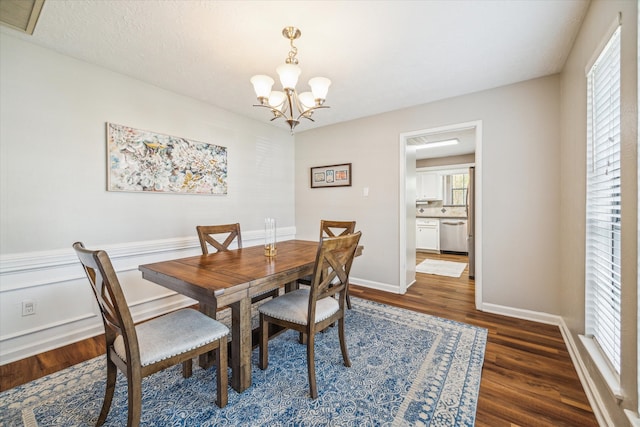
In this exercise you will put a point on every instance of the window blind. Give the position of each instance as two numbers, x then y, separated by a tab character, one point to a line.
603	231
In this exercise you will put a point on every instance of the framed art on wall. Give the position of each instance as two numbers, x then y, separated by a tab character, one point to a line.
140	160
331	176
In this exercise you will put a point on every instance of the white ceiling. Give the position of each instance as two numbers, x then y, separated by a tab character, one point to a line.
380	55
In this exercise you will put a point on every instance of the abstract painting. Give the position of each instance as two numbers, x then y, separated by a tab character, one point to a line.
146	161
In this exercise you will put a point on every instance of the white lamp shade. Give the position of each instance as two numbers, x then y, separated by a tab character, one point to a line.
276	99
288	75
307	100
262	85
320	87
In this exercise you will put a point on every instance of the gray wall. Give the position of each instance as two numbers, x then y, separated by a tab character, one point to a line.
53	111
599	19
53	159
520	173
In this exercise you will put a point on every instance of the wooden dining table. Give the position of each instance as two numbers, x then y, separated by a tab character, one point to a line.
231	278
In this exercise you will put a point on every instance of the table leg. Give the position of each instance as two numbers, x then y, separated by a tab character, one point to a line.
291	286
241	344
207	360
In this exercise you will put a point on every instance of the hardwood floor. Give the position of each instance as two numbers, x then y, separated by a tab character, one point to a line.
527	379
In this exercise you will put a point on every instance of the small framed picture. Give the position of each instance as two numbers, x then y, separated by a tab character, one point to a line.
331	176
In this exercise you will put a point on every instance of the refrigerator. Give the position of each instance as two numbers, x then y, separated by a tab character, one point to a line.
471	222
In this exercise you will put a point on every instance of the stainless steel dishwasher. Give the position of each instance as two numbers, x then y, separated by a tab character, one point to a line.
453	235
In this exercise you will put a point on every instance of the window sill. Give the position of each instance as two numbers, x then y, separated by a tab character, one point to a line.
610	377
633	418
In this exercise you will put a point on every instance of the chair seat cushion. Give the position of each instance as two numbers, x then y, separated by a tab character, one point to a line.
173	334
294	306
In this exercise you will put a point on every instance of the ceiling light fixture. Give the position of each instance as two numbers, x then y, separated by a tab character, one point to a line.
439	143
289	104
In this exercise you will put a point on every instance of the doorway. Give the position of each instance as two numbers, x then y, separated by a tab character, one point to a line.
407	214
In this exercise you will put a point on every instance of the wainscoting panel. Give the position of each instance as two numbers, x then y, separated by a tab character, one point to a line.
65	309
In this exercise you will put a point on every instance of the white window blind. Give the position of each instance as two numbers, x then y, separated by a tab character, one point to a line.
603	232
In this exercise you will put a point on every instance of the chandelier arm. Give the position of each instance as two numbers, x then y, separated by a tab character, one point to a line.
299	105
276	113
307	114
291	100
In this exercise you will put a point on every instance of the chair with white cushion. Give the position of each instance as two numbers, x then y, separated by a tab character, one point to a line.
323	302
157	344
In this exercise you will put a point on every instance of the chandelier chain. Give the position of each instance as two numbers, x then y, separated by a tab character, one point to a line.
291	59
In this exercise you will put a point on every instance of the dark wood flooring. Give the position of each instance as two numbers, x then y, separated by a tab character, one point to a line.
527	379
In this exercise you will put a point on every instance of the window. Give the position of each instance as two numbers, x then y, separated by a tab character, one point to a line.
603	233
459	184
455	187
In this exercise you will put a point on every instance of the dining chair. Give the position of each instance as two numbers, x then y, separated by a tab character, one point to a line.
332	229
313	309
144	349
208	236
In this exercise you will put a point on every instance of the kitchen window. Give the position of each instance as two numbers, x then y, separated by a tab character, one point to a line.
603	227
456	189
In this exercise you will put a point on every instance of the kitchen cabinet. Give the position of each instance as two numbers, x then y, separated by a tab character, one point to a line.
428	186
428	234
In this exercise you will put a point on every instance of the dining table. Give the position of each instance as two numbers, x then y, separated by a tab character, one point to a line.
231	278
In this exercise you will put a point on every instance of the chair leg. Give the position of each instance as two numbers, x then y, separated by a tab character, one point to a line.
207	359
313	389
264	343
348	301
187	368
222	376
134	388
110	387
343	343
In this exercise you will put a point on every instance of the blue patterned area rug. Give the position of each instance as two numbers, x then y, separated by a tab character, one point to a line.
407	369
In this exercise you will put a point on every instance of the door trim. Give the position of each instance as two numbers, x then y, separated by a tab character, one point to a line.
407	272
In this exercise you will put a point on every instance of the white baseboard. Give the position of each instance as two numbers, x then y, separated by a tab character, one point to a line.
591	391
374	285
534	316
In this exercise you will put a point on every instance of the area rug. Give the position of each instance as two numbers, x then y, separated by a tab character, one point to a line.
441	268
407	369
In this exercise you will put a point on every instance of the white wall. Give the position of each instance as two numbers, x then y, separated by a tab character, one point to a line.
53	111
520	167
600	17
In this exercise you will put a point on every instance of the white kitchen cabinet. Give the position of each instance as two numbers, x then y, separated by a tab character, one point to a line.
428	234
428	186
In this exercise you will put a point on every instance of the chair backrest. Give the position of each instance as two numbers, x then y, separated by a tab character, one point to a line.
111	300
206	233
336	228
332	268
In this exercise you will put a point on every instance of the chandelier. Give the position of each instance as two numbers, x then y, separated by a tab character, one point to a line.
288	104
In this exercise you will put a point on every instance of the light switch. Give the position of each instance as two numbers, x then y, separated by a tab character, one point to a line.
365	191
